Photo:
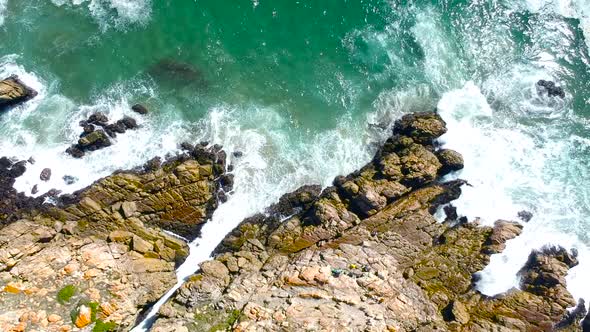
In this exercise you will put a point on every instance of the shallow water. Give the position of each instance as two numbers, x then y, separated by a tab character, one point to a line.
303	87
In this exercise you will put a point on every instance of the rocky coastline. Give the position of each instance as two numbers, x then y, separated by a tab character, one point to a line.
363	254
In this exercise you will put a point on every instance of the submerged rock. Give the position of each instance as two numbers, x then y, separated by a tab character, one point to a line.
549	88
13	92
139	109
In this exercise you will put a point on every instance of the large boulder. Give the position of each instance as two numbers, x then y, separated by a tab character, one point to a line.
423	128
13	91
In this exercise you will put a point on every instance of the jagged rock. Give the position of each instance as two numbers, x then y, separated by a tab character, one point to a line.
94	141
13	92
140	109
75	151
99	119
128	122
359	257
502	232
88	128
525	216
550	89
103	248
450	160
45	174
34	190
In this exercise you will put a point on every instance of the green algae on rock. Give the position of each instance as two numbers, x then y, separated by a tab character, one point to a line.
367	254
101	255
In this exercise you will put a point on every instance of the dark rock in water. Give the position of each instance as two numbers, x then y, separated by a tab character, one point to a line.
94	141
238	154
153	164
34	190
118	127
45	174
5	163
18	169
68	179
99	119
13	92
450	213
550	88
227	182
298	200
75	151
173	70
586	323
31	161
451	161
525	216
128	122
423	128
88	129
573	317
140	109
186	146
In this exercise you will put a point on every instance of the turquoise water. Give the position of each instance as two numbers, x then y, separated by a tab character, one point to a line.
305	90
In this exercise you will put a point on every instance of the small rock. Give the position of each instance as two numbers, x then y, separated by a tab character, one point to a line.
88	129
238	154
34	190
75	152
45	174
68	179
525	216
140	109
53	318
550	88
99	119
451	161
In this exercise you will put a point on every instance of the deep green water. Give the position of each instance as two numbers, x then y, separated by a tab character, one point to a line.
305	89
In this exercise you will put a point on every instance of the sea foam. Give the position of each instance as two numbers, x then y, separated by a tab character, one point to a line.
113	13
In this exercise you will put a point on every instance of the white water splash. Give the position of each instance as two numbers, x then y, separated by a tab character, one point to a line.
507	167
114	13
3	7
579	9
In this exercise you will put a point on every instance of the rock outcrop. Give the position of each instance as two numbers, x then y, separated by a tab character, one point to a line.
367	255
550	89
13	92
93	139
98	258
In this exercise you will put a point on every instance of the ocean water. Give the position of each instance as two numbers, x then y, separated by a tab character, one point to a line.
307	89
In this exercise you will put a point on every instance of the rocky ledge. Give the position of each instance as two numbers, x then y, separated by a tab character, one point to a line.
13	92
95	260
366	254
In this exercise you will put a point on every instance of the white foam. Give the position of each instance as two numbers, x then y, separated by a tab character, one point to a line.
579	9
125	11
275	161
3	5
510	169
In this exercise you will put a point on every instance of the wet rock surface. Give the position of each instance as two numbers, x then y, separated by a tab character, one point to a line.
100	257
550	89
367	255
92	138
13	92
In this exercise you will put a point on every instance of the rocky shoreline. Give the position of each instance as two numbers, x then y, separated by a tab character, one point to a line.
363	254
367	254
96	259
